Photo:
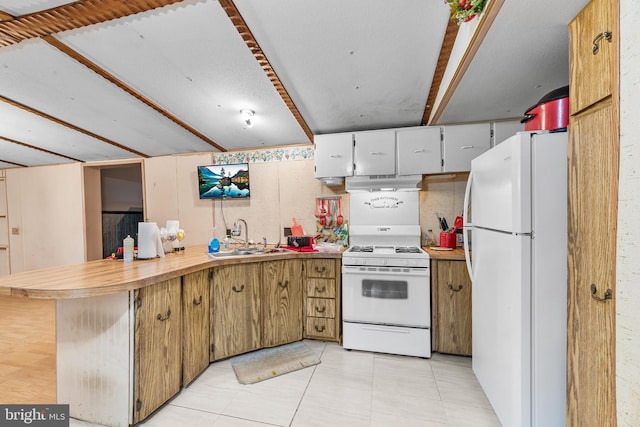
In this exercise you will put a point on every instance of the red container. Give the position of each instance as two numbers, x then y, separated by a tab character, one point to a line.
550	113
448	240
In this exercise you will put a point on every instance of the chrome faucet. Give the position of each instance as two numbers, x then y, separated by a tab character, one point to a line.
237	231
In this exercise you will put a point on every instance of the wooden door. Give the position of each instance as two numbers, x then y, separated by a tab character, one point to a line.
158	346
593	154
236	309
281	302
454	308
196	308
593	172
590	68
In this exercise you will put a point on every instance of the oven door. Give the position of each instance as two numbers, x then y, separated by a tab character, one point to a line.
386	295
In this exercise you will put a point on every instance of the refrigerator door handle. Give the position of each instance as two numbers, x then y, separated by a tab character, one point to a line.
466	225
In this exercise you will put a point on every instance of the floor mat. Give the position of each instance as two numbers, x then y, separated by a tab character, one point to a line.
270	362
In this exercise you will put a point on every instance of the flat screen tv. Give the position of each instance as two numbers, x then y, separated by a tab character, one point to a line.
224	181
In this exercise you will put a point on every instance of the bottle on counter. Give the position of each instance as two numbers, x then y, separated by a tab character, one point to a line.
227	242
127	245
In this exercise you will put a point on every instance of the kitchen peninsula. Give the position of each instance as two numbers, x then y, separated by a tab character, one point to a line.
130	334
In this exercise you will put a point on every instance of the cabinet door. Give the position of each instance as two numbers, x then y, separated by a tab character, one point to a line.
196	309
333	155
375	153
504	130
464	143
591	71
158	346
236	309
454	308
418	150
281	302
592	215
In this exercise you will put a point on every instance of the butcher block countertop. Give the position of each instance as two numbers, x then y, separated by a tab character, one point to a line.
456	254
103	277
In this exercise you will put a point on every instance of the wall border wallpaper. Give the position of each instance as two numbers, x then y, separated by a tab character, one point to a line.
281	154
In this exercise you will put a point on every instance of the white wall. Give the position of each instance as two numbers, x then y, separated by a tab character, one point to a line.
45	203
628	268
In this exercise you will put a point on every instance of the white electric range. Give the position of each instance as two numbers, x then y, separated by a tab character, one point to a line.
386	276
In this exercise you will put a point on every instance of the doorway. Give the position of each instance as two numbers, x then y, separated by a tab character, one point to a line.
114	204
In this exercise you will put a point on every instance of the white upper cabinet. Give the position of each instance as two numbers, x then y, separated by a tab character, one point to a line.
375	152
504	130
463	143
418	150
333	155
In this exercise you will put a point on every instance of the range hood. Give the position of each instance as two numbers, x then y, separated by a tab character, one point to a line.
383	183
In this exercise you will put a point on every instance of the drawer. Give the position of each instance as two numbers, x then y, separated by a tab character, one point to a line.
321	288
321	307
320	327
321	268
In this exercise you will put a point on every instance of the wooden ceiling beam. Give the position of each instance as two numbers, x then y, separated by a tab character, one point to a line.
243	29
119	83
70	126
71	16
443	59
33	147
486	20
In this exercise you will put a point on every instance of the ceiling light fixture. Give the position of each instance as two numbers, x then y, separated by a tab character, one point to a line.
247	116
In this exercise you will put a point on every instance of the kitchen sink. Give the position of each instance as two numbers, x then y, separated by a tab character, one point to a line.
246	251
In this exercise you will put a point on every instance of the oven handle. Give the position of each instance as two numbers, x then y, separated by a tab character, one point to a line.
363	271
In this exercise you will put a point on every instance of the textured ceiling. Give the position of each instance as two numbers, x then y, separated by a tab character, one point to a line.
174	78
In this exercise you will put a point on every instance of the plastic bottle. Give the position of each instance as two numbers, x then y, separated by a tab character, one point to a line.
227	243
127	245
214	245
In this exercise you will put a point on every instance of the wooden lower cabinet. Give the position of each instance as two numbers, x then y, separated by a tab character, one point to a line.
196	331
322	299
281	302
451	294
235	314
158	346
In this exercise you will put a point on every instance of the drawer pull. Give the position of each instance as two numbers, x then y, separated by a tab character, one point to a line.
319	328
319	310
596	41
454	289
608	294
161	318
238	290
321	269
321	290
197	301
283	285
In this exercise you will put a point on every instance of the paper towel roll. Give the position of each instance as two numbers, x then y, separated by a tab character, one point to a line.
148	234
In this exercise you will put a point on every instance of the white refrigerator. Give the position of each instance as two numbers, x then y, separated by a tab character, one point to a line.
516	218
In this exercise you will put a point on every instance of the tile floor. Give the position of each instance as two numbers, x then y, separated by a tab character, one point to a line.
348	388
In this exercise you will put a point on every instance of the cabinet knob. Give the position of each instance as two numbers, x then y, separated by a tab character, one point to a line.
596	41
608	294
283	285
321	310
319	328
321	269
320	290
197	301
458	289
236	289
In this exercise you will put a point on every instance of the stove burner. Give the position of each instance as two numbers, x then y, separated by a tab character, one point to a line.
361	249
407	250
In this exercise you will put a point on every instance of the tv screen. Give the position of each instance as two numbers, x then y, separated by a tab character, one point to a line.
223	181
